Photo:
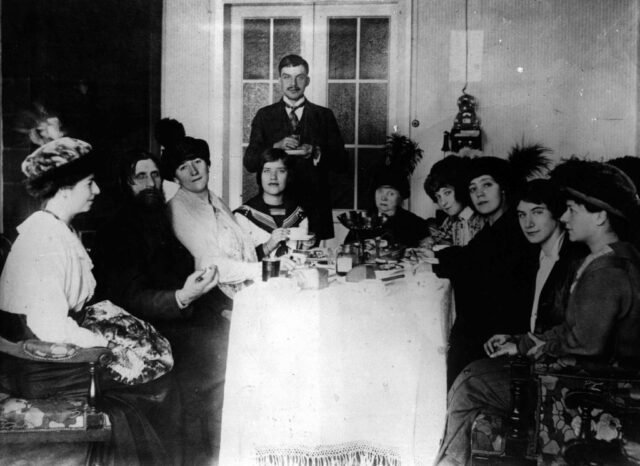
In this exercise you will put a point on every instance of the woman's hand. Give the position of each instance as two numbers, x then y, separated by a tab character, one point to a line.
309	243
424	253
427	243
286	264
277	235
495	343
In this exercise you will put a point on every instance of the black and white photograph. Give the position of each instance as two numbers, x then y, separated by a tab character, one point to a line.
319	232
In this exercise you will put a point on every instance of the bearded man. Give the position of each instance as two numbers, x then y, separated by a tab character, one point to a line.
141	266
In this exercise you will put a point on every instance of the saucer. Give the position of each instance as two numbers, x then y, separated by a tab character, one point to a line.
296	151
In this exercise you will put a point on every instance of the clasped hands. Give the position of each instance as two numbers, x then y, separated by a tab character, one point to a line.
291	143
505	345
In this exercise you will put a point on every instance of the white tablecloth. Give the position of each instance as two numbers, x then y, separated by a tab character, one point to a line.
352	374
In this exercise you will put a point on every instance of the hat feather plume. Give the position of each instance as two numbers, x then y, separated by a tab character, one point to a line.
402	153
529	161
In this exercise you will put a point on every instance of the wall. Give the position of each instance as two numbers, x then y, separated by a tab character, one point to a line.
94	63
188	64
577	92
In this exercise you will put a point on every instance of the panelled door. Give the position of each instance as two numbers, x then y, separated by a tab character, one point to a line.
356	69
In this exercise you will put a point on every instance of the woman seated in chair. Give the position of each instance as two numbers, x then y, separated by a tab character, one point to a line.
47	278
267	217
487	273
396	224
203	223
448	186
602	317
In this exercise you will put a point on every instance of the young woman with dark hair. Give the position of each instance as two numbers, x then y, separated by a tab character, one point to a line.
267	217
447	186
487	274
203	223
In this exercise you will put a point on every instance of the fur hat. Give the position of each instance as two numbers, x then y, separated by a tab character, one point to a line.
387	176
60	157
499	169
450	171
599	185
187	148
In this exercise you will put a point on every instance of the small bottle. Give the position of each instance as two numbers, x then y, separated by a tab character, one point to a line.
344	260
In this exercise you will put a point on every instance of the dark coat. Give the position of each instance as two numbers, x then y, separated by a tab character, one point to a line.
555	292
405	228
140	268
602	319
489	278
317	127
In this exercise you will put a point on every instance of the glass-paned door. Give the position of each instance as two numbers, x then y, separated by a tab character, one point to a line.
358	93
351	51
260	38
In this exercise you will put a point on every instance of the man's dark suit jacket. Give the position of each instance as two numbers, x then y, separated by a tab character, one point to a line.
139	268
317	127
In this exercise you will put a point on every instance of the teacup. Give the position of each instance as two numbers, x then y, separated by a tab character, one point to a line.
298	234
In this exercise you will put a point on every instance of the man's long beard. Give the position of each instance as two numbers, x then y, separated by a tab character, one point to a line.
151	214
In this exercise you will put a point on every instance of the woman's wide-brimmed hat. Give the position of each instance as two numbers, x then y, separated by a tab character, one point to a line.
599	185
187	148
62	157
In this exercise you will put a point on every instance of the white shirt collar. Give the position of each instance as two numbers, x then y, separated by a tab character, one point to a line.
555	251
466	213
290	102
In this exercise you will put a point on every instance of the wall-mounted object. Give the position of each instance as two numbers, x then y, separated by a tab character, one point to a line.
466	131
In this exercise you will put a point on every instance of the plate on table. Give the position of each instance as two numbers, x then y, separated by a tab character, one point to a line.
296	151
315	254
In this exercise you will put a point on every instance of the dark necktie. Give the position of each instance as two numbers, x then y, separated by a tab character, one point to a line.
293	118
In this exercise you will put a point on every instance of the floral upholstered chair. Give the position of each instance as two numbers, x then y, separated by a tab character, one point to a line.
50	420
584	415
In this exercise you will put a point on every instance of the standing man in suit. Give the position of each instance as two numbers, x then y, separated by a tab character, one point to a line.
308	131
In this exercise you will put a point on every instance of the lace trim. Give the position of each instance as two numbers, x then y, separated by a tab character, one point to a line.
346	454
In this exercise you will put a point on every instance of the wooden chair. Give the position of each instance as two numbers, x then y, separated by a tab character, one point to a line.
510	440
49	420
584	414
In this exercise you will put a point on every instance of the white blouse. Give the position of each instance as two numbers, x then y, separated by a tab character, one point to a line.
212	236
46	276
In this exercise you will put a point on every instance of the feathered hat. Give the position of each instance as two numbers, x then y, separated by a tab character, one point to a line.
61	159
402	155
524	162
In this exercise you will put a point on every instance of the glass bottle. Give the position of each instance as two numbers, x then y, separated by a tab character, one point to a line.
344	260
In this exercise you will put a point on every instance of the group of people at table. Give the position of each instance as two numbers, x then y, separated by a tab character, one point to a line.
544	267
